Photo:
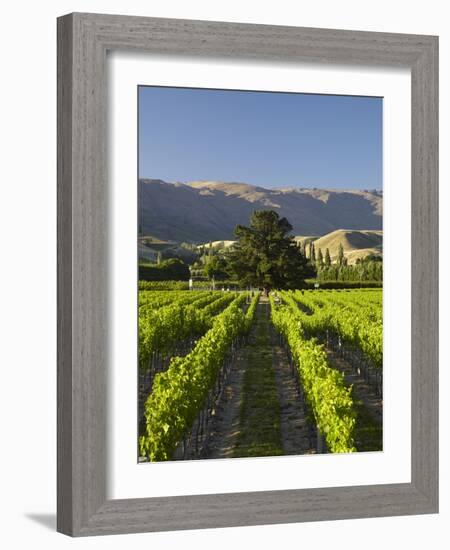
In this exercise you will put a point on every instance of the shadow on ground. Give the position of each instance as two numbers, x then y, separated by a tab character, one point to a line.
46	520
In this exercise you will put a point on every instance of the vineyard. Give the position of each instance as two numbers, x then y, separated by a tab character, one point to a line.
232	374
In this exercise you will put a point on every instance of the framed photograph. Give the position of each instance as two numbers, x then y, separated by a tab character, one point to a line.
247	274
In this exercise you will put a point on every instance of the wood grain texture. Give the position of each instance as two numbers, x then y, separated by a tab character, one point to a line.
64	252
83	198
425	275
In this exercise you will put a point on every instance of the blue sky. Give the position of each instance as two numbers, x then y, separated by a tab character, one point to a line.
263	138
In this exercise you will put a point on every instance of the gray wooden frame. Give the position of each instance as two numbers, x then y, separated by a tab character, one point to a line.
83	40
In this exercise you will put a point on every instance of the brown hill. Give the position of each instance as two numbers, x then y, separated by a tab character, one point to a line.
306	239
356	244
209	211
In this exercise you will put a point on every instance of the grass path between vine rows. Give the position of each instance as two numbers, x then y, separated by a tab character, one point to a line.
260	413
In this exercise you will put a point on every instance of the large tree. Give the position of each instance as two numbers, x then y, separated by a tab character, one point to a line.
266	256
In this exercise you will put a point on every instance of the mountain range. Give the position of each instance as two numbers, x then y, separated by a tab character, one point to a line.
199	212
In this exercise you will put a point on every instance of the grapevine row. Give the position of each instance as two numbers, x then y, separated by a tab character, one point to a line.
160	329
356	327
361	303
324	389
155	300
180	393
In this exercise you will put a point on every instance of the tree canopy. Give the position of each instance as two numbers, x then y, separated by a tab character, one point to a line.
167	270
266	256
216	267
